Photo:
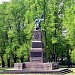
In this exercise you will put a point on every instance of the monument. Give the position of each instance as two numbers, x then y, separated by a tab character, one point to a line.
37	52
37	63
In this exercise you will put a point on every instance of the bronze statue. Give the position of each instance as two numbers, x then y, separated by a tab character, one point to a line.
38	21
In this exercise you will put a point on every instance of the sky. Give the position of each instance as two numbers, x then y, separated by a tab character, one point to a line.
4	0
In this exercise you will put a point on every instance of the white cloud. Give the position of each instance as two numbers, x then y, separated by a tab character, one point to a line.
4	1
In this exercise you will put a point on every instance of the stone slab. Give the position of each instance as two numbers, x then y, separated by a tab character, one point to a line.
41	66
36	55
55	65
37	44
18	66
25	71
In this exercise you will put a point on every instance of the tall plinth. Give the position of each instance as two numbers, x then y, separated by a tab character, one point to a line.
37	55
37	52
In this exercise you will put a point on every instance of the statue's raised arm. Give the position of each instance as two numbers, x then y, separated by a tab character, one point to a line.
38	21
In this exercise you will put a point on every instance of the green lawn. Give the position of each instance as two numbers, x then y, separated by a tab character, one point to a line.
1	69
31	74
73	73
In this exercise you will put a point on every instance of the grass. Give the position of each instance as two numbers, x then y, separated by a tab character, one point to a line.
72	73
1	69
30	74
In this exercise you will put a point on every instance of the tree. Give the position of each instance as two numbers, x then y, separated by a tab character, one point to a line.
3	31
68	21
17	23
16	34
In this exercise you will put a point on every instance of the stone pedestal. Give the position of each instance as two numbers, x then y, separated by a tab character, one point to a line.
40	66
18	66
37	51
37	56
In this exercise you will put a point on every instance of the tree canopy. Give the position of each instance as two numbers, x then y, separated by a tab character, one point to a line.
17	19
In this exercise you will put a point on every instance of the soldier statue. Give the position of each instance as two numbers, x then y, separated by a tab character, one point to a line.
38	21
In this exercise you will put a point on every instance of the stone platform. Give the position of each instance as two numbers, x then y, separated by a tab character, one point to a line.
36	66
26	71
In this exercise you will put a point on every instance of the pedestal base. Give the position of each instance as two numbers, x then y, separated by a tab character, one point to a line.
36	66
18	66
25	71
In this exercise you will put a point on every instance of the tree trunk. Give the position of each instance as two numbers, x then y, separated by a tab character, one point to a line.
3	63
62	57
55	59
45	37
8	62
15	59
22	58
68	56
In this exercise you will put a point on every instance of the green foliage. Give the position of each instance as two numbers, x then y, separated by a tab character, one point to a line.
69	25
54	40
73	56
23	51
17	23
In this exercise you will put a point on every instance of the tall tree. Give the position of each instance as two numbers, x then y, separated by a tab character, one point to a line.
3	31
68	21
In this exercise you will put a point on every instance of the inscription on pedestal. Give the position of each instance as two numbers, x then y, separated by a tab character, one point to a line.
36	54
37	44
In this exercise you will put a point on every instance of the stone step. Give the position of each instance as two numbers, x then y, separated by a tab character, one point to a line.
25	71
65	71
